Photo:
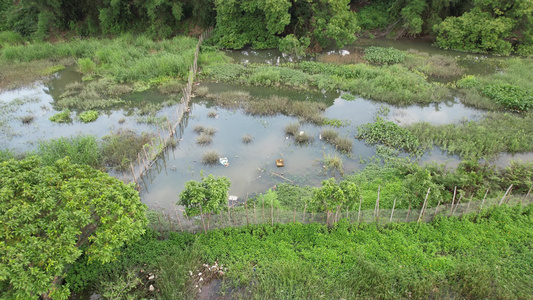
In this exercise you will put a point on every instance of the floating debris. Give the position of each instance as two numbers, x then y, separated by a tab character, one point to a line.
224	161
280	163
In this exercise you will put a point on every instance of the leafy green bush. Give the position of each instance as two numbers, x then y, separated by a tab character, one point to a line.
292	45
86	65
380	55
467	82
10	38
62	117
475	31
88	116
510	96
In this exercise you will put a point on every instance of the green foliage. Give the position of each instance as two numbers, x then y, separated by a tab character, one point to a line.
373	16
467	82
53	214
510	96
389	134
10	38
88	116
53	69
475	31
336	122
62	117
209	196
354	261
81	149
384	56
495	133
292	45
120	148
86	65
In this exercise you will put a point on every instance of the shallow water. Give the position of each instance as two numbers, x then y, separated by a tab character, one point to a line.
251	166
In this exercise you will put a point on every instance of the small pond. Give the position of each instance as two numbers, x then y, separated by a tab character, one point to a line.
251	167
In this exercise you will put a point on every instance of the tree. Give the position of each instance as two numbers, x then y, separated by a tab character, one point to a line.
50	215
208	196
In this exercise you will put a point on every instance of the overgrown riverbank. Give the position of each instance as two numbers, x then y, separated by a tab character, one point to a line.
448	257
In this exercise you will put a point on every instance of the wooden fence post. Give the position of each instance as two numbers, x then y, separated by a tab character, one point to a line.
177	217
305	208
453	200
525	197
202	216
423	206
359	213
480	208
392	213
246	208
501	201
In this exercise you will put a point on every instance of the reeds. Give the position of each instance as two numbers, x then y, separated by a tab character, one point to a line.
329	134
212	114
204	139
303	138
120	148
210	157
82	149
292	129
247	139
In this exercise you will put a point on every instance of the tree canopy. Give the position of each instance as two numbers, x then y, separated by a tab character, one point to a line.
50	215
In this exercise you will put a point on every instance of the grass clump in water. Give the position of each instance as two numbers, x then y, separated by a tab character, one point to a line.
204	139
387	56
171	87
88	116
389	134
292	129
433	65
121	148
82	149
212	114
303	138
333	163
202	91
210	157
247	139
329	135
201	129
27	119
62	117
496	133
343	144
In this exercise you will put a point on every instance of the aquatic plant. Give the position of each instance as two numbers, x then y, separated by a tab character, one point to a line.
333	163
204	139
198	129
27	119
246	139
389	134
343	144
171	87
212	114
380	55
210	157
82	149
292	129
61	117
329	134
88	116
120	148
335	122
202	91
303	138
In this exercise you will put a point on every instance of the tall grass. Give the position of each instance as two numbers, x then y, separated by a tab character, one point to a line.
82	149
496	133
120	148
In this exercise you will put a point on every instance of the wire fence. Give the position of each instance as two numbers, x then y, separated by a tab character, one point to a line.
255	212
147	158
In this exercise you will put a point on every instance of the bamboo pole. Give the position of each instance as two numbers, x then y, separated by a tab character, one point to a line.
359	213
437	209
525	197
133	173
423	206
246	208
272	211
263	210
453	200
392	213
170	222
457	204
303	218
486	193
177	217
468	206
408	214
202	216
501	201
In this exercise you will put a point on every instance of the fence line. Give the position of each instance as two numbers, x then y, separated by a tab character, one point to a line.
147	158
266	213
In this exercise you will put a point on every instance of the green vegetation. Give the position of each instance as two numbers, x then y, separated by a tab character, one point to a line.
247	139
81	149
207	197
62	117
53	214
303	138
88	116
391	135
384	56
121	148
494	134
432	65
510	96
333	163
210	157
292	129
204	139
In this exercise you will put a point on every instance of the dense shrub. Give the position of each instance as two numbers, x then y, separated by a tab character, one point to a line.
510	96
380	55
